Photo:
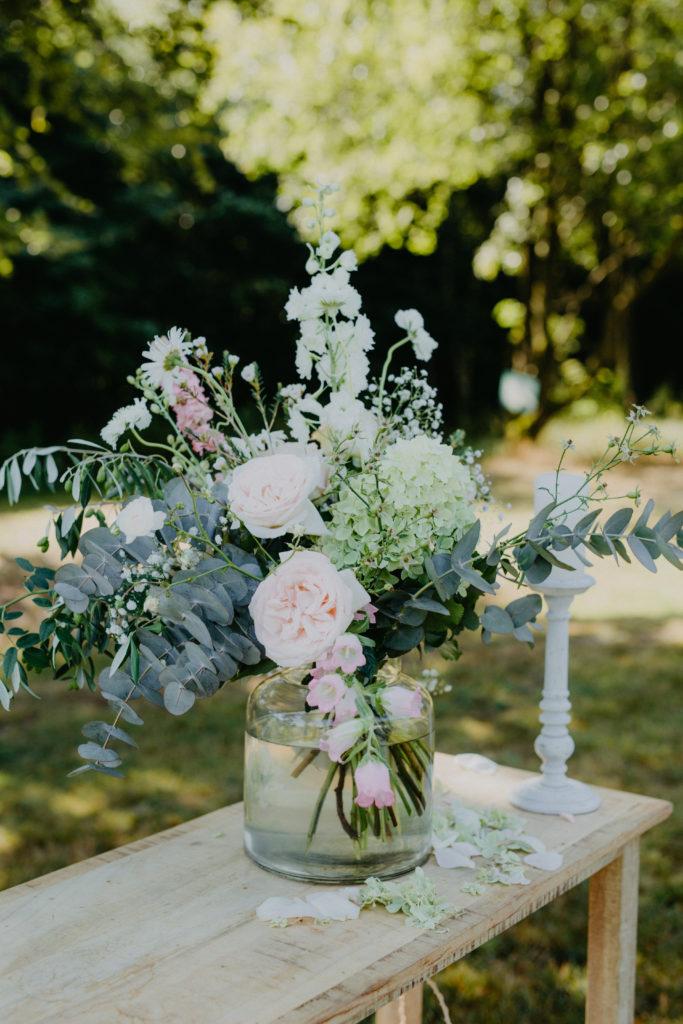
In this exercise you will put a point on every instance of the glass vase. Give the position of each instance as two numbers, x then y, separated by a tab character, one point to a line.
301	816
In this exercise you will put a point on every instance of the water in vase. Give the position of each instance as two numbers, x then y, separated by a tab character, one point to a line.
284	775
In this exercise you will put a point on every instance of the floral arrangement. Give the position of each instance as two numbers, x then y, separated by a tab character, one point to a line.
342	534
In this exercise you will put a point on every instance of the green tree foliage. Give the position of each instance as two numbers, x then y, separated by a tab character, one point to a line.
407	102
121	216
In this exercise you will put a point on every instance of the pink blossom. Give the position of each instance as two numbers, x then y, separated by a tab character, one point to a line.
373	785
370	611
401	702
191	414
341	738
209	440
326	691
347	707
188	382
347	653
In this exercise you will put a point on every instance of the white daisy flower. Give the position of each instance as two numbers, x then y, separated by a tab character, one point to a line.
165	353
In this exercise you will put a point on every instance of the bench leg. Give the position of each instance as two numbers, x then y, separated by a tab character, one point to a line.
407	1009
612	930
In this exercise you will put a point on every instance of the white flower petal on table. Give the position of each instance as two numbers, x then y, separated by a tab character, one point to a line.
332	905
447	857
537	845
276	907
547	861
476	763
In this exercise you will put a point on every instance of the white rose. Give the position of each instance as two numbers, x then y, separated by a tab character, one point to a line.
301	608
138	519
271	494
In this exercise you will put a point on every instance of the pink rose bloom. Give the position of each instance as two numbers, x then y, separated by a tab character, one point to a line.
401	702
373	785
271	494
347	707
325	692
341	738
347	653
301	608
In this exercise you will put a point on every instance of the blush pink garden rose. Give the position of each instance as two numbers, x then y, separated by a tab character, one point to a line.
301	608
271	494
373	785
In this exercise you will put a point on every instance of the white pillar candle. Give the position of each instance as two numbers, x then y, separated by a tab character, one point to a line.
572	490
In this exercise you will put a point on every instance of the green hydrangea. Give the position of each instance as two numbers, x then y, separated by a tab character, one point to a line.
414	501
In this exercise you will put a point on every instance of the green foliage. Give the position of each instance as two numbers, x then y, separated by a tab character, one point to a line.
572	106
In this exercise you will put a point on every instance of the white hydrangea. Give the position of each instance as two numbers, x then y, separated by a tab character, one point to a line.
136	415
414	502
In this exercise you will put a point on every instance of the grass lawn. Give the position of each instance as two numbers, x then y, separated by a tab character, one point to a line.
625	666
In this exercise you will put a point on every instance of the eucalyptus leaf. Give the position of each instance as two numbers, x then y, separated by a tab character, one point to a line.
641	552
102	755
669	552
13	482
101	731
123	709
525	609
429	605
75	600
177	698
496	620
669	525
51	470
537	571
535	527
617	523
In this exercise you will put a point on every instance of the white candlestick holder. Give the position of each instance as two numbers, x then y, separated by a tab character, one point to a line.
552	792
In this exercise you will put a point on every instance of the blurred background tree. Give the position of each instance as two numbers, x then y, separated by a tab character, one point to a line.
516	157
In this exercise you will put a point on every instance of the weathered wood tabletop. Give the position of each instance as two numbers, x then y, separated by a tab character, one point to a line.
164	930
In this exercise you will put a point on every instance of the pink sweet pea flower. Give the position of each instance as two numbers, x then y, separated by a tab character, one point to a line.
341	738
400	702
325	692
373	785
347	653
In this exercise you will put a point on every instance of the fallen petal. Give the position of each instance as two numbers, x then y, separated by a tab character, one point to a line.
476	763
536	844
567	816
547	861
283	906
331	905
450	858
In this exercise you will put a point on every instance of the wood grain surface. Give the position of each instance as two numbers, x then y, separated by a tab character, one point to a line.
164	930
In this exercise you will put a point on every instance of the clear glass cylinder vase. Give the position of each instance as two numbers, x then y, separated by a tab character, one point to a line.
302	818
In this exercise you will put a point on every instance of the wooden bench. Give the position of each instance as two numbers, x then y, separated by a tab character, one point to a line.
164	931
